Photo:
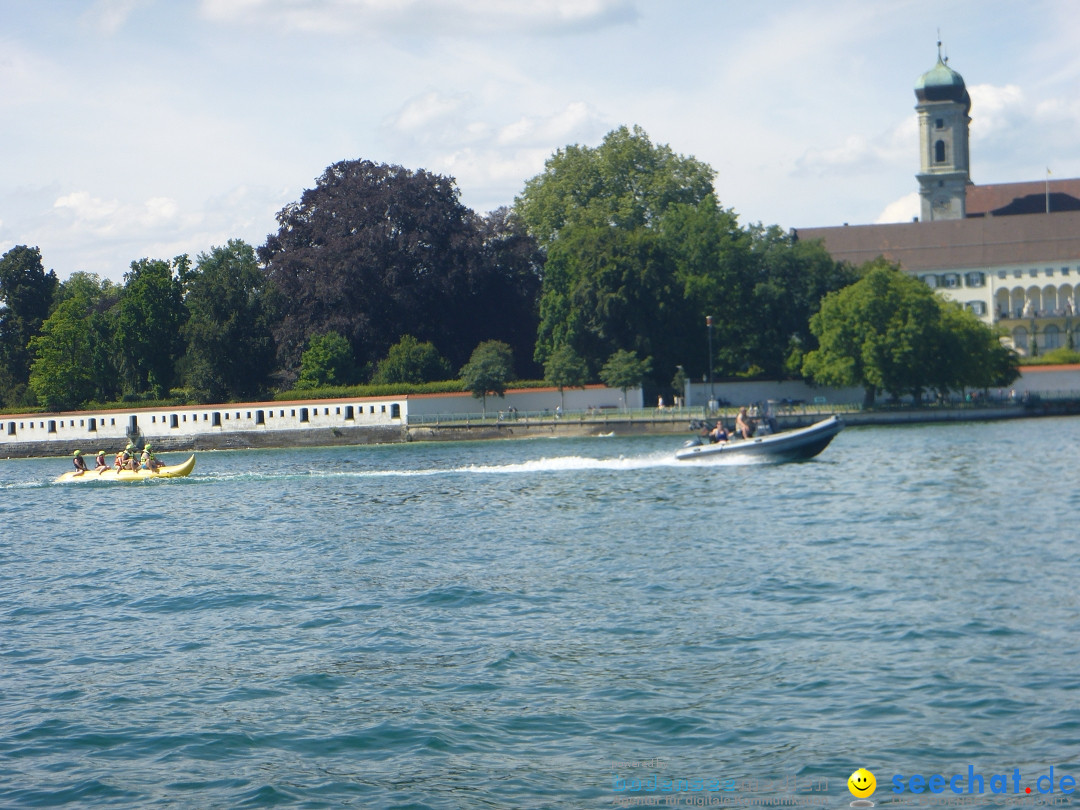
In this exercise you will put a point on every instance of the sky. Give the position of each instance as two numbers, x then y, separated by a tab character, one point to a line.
135	129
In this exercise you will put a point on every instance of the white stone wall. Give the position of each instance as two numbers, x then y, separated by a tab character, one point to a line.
111	429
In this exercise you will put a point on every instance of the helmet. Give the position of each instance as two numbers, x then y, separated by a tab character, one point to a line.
101	452
77	453
146	446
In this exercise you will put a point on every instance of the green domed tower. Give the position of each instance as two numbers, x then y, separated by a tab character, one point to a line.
944	167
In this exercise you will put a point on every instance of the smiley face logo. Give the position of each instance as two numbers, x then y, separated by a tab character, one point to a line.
862	783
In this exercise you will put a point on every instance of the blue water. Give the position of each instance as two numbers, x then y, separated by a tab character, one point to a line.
522	623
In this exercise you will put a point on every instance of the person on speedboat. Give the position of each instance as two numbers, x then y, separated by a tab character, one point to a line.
718	433
79	462
744	425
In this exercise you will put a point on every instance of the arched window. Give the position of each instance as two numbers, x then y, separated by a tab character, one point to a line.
939	152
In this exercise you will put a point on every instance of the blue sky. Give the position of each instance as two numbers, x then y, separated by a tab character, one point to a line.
150	128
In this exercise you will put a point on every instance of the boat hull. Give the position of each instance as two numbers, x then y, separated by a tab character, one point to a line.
112	474
791	445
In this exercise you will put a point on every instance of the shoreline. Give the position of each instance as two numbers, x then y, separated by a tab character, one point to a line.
473	428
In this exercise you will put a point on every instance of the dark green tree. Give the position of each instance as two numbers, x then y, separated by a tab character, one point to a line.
26	296
410	361
625	370
230	348
101	297
327	361
488	371
789	280
61	375
149	319
626	183
565	368
890	332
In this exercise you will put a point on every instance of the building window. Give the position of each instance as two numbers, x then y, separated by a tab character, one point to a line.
978	307
1049	271
216	422
1064	271
930	281
952	280
1033	272
975	279
395	411
1020	338
939	152
259	418
1051	338
174	421
939	123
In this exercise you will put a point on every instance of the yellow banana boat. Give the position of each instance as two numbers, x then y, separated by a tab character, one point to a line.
113	474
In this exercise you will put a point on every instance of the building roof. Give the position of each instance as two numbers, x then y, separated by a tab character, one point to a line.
980	242
1007	199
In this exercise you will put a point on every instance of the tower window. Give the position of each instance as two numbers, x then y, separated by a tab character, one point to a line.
939	152
939	123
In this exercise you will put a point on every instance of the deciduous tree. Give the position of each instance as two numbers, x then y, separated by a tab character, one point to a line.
625	370
26	295
230	348
327	361
890	332
565	368
61	375
375	252
489	369
149	320
410	361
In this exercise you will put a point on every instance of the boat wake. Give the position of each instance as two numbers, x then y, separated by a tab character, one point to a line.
553	464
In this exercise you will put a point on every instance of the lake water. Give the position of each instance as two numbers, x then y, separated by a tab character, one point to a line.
544	623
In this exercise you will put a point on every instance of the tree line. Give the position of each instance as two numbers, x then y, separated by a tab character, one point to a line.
605	268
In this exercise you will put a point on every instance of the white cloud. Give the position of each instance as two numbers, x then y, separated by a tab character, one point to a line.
861	154
996	109
109	16
554	130
441	16
901	210
427	109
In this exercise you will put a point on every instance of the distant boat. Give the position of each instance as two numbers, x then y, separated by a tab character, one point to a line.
113	474
789	445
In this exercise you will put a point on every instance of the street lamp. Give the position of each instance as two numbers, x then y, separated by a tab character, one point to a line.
712	396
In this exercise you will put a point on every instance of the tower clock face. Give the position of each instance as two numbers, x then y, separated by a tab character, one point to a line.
941	204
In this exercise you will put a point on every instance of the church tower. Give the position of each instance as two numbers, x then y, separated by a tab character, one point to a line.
944	169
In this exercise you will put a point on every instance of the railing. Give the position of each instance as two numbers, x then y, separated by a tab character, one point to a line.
602	416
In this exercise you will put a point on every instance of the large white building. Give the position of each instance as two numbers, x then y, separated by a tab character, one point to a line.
1009	252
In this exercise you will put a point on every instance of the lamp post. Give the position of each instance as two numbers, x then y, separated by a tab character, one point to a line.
708	326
